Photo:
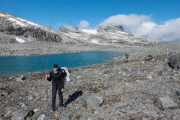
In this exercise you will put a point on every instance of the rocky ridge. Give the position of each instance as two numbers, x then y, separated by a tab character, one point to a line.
30	31
108	35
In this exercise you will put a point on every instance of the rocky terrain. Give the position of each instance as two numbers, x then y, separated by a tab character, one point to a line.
147	87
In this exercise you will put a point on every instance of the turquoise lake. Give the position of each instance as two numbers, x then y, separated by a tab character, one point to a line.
12	65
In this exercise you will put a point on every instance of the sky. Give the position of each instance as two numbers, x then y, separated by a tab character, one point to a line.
153	19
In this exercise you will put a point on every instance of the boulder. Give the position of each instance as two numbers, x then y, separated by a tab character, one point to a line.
174	62
20	114
165	102
94	101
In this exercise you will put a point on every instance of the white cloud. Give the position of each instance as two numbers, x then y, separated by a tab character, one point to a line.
143	26
84	24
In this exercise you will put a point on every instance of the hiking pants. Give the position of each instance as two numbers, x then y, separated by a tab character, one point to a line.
57	87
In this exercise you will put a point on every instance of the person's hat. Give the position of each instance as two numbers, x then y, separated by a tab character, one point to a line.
55	66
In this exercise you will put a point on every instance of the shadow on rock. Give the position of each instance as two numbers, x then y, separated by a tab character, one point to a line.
73	97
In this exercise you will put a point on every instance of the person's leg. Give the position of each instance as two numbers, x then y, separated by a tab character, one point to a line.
60	96
54	90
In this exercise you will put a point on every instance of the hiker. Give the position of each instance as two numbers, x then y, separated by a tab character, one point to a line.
57	76
126	57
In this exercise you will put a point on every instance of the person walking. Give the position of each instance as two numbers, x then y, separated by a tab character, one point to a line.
57	76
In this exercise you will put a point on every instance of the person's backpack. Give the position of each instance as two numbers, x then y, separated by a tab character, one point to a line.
67	74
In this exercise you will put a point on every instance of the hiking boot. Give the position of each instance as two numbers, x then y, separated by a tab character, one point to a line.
53	110
64	105
61	107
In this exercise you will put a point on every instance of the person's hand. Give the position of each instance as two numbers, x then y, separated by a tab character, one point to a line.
47	76
62	89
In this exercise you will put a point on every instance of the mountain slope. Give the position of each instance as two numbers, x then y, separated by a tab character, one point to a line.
13	25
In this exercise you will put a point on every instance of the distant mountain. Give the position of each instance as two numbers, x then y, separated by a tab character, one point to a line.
14	29
103	35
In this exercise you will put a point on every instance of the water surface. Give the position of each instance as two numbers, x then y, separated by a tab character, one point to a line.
11	65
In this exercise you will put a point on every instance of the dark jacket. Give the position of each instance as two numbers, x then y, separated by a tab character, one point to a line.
57	77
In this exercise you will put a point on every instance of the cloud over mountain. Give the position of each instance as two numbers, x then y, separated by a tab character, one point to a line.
84	24
144	26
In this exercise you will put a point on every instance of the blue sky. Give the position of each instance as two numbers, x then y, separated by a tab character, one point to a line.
55	13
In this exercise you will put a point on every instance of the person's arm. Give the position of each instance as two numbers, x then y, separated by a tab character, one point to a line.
49	77
64	74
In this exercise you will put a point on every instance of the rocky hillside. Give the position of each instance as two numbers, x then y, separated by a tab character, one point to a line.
12	25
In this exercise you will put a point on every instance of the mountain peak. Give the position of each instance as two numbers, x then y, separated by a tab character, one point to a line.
110	28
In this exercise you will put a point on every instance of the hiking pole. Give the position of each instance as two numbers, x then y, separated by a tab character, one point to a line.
47	61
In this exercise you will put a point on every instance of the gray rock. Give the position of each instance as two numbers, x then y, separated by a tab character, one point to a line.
108	82
83	102
149	76
23	77
134	110
43	117
19	79
8	115
3	93
150	112
110	28
20	114
37	113
68	29
165	103
174	62
139	74
178	93
94	101
148	58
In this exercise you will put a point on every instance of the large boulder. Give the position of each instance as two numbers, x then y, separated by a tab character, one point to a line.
20	114
174	62
94	101
165	102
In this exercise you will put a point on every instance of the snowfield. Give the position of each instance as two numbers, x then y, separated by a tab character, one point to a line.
20	40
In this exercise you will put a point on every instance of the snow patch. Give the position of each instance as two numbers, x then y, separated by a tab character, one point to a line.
17	22
95	42
89	31
2	15
32	23
28	22
20	40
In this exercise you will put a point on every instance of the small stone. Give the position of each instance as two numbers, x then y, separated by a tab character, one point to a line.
43	117
149	76
19	79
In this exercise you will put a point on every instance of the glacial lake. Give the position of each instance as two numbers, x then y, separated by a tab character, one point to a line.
13	65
